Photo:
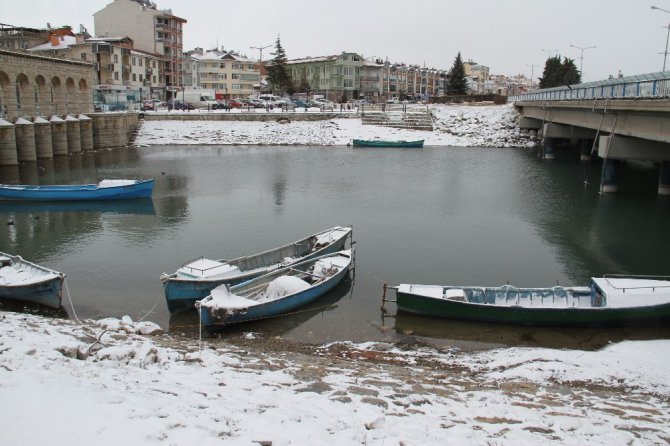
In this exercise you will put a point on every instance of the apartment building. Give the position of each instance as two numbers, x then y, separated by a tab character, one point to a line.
229	74
371	80
153	30
124	76
478	76
331	76
411	81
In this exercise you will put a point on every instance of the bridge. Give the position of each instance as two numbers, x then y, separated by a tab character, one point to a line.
619	119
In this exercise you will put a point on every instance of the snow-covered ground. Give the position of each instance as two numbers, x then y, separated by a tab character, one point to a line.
103	383
455	125
113	382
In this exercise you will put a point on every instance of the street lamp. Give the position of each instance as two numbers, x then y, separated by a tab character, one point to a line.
665	53
581	58
550	51
532	67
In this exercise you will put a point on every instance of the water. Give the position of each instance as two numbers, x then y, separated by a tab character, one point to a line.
438	215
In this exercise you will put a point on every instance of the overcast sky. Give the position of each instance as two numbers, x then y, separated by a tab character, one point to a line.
507	36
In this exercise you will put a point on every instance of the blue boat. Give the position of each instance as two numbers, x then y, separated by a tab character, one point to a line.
104	190
197	278
276	293
28	282
382	143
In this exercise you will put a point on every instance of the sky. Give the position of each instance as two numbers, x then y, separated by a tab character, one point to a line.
510	37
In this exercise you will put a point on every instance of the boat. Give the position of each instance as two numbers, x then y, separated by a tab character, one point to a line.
275	293
29	282
381	143
607	300
104	190
197	278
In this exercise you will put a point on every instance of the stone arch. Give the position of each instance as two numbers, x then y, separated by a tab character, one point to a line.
24	96
5	97
41	97
71	97
84	96
56	95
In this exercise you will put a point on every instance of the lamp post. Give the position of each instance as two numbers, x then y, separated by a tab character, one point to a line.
550	51
665	53
532	67
581	57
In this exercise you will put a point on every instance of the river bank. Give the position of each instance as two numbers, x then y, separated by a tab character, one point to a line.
103	382
454	125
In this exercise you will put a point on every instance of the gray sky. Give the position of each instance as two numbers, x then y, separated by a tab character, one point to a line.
508	36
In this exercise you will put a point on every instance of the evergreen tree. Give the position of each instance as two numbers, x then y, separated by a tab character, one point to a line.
456	81
278	75
557	74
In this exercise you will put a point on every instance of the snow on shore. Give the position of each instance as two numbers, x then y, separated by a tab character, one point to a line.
455	125
65	384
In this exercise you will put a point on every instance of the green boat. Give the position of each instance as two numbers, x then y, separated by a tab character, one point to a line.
609	300
381	143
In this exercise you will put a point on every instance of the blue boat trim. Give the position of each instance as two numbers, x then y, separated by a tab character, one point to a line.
46	288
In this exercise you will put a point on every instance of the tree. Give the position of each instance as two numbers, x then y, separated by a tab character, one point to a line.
278	75
456	81
557	74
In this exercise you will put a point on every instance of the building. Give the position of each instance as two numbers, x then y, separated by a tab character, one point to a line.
402	81
42	85
229	74
478	76
124	76
371	80
334	77
153	31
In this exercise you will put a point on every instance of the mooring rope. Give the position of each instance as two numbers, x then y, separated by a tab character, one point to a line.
69	298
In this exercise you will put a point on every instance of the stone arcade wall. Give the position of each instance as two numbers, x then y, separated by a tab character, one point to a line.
32	85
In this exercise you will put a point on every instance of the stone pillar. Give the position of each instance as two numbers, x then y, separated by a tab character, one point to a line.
8	154
549	148
609	177
73	134
664	179
43	141
585	149
86	132
58	136
25	140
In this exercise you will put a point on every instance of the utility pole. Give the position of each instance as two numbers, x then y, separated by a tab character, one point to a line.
260	49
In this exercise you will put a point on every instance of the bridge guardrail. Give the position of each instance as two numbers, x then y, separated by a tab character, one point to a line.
653	85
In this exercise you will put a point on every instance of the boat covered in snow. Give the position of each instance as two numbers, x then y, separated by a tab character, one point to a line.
382	143
29	282
104	190
275	293
608	300
197	278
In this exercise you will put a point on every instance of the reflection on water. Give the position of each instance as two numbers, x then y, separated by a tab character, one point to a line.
477	335
441	215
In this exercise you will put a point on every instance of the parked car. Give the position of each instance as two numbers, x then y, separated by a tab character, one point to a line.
148	106
221	105
393	101
179	105
300	103
257	103
234	103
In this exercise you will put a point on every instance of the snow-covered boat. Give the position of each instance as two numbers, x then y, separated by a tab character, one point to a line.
197	278
608	300
104	190
29	282
275	293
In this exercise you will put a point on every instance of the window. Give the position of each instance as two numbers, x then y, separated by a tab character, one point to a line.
222	65
154	79
116	75
83	56
235	76
116	58
134	77
134	61
237	86
349	83
141	62
141	78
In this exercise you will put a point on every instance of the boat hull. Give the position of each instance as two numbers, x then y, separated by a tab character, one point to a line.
217	320
181	294
569	316
378	143
48	292
139	189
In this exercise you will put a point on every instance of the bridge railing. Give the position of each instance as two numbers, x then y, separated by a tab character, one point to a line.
653	85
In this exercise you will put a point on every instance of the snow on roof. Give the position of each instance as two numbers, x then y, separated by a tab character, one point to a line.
313	59
64	42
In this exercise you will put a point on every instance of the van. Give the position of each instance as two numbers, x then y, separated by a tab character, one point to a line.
270	99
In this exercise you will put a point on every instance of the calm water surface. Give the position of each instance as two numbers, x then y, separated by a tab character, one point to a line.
438	215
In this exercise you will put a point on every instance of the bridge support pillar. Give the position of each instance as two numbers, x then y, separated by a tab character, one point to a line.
664	179
608	182
549	148
585	149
